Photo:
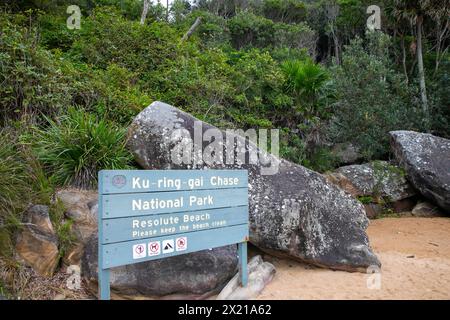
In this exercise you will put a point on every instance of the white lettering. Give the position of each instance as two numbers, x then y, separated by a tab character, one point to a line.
200	201
155	203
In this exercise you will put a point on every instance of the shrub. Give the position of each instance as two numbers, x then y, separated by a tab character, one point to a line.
212	31
292	147
440	98
248	29
198	83
320	159
111	94
288	11
295	36
107	37
25	183
304	80
31	80
14	189
74	149
371	98
258	81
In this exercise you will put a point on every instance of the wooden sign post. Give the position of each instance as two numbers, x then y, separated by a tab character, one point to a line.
153	214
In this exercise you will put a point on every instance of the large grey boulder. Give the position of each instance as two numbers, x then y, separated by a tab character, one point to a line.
426	160
192	273
293	211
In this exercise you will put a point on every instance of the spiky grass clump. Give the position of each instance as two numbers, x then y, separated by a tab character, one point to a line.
78	146
14	188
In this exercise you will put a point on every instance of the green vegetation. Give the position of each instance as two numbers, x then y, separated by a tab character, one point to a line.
371	98
63	227
13	191
75	149
365	199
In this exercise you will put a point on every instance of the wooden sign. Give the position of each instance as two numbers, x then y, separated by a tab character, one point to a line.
154	214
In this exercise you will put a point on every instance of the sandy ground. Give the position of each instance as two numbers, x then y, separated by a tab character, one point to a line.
415	257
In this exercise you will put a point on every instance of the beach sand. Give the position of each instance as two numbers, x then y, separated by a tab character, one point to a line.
415	257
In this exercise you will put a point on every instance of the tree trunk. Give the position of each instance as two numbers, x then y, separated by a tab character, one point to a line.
167	10
423	90
145	11
191	29
336	45
404	58
440	37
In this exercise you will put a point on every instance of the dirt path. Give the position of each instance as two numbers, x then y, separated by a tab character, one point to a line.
415	257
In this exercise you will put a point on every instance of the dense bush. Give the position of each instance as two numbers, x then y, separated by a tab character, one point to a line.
259	96
107	37
76	147
23	183
248	65
111	94
31	80
371	98
14	188
250	30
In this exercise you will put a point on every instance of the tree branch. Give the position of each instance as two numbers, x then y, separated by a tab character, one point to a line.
191	30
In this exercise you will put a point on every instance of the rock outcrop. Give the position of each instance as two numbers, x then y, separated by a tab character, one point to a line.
36	243
81	208
293	210
346	153
426	160
426	209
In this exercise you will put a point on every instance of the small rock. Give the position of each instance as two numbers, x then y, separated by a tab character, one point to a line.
259	275
346	153
36	243
426	209
59	296
373	210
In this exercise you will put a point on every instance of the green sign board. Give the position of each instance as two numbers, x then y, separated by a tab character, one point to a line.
153	214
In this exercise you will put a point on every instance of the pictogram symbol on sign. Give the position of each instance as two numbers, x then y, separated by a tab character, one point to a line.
181	244
154	248
168	246
119	181
139	251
